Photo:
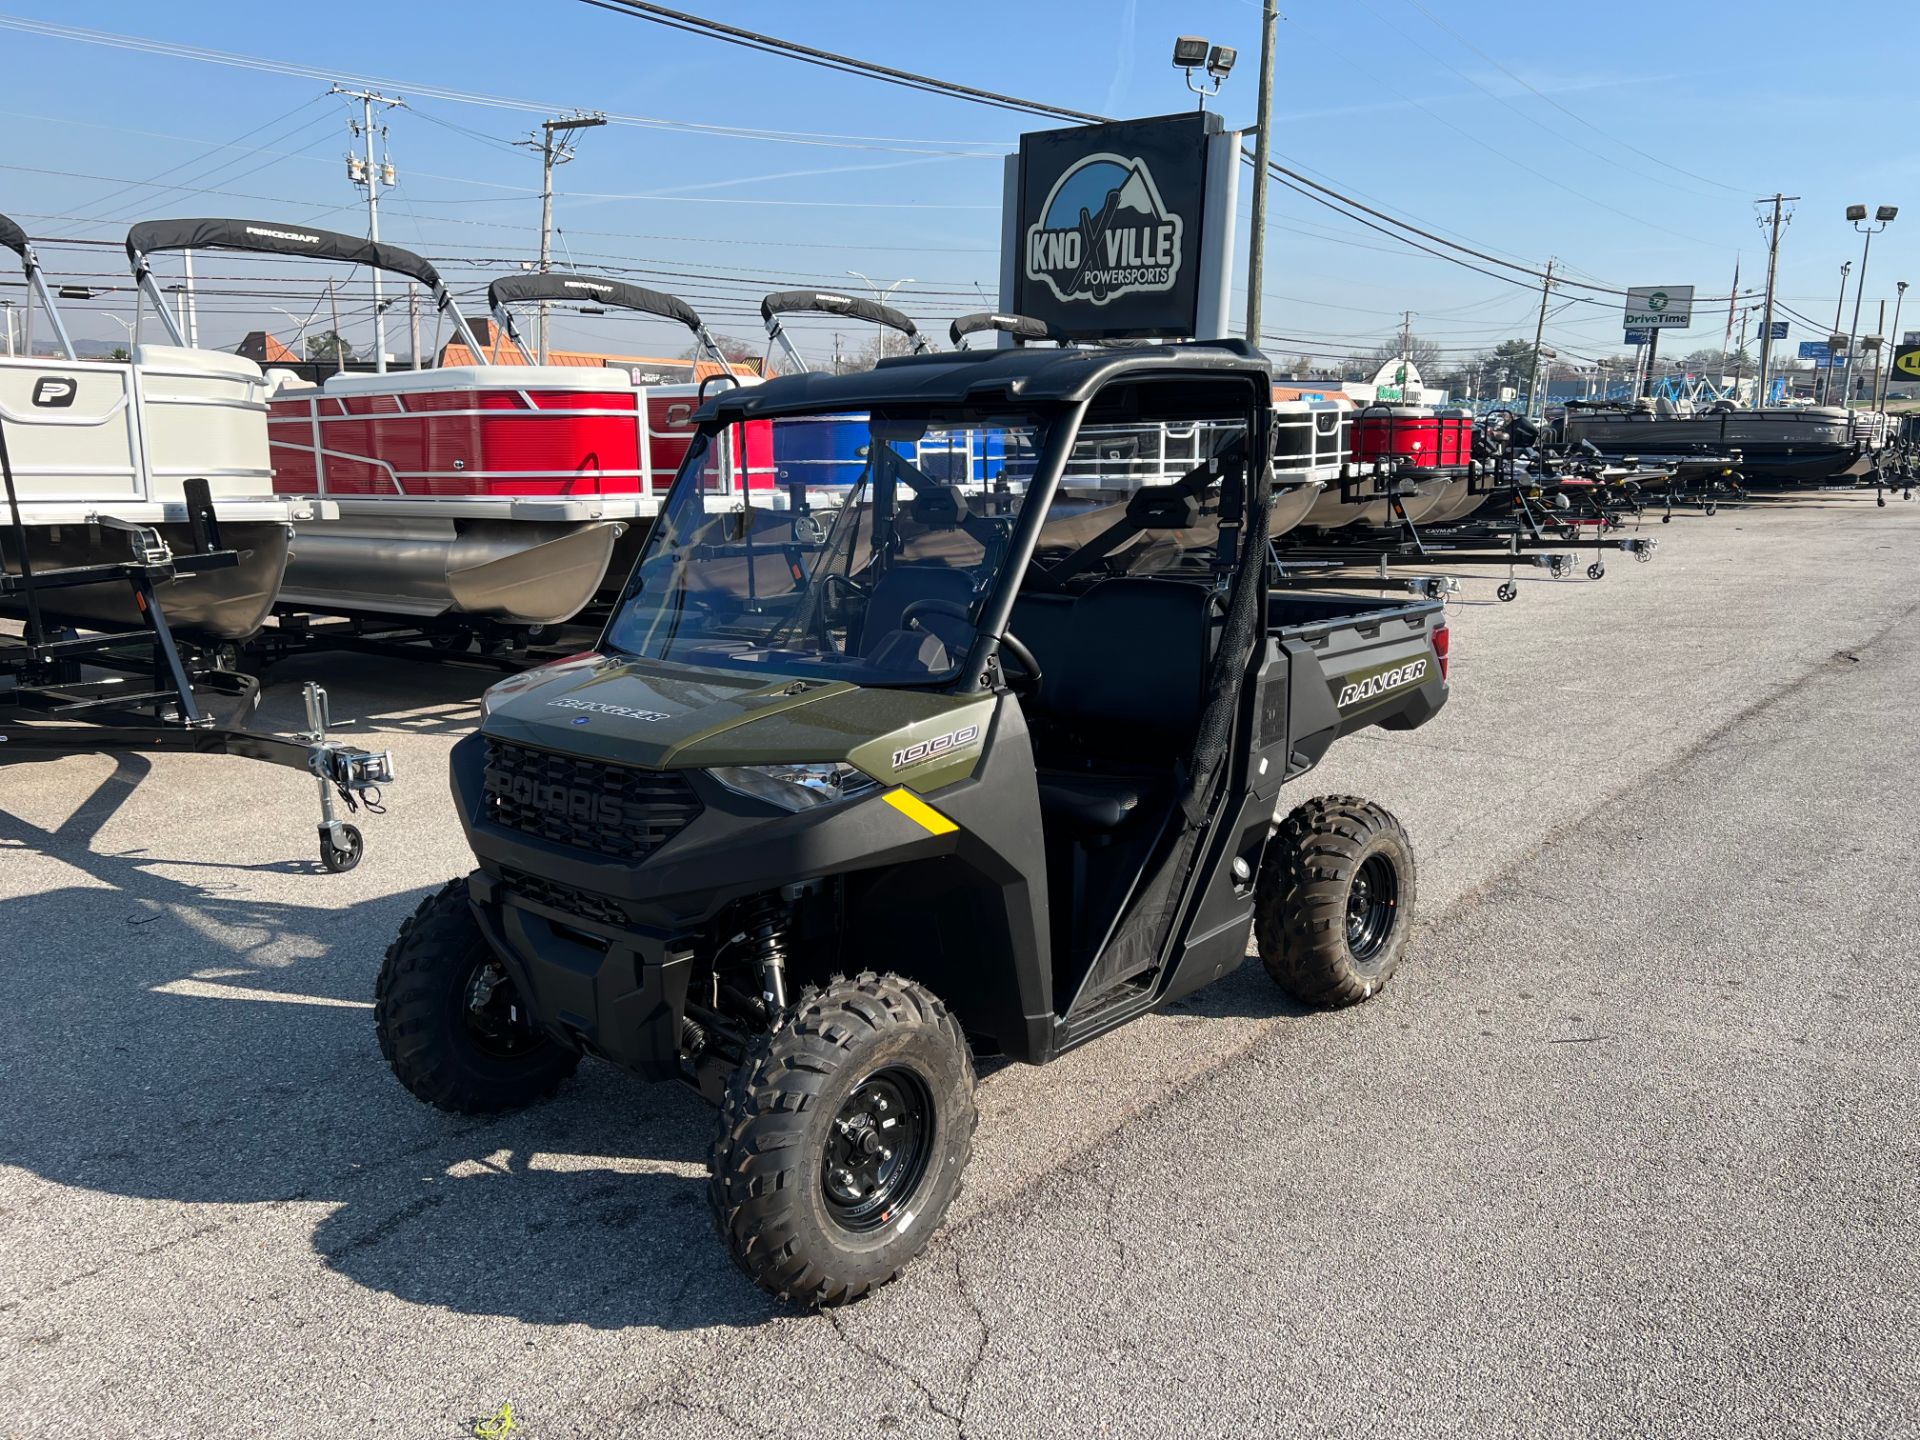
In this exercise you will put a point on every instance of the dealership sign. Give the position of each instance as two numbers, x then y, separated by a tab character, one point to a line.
1659	307
1125	242
1906	366
1122	230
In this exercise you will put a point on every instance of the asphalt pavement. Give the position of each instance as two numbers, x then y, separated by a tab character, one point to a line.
1628	1148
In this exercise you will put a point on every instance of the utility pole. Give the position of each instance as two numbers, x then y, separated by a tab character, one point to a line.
1539	334
1262	155
413	321
553	151
191	320
1740	355
371	173
1406	351
1773	269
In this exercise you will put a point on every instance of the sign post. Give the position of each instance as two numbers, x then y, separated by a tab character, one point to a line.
1122	230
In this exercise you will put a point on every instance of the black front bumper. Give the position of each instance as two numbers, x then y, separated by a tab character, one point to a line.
618	992
603	948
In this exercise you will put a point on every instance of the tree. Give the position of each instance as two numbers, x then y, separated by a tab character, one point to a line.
329	345
732	346
1427	356
120	353
1714	361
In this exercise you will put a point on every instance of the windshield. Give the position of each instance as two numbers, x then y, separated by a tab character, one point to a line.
860	549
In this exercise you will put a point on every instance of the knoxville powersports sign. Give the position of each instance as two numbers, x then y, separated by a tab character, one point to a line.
1111	226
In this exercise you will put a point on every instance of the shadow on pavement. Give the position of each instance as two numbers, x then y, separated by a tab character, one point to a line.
182	1044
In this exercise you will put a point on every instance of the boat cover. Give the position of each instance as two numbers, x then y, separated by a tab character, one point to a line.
151	236
827	302
1021	327
591	289
13	237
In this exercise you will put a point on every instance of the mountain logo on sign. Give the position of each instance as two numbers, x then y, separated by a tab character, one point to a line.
1104	232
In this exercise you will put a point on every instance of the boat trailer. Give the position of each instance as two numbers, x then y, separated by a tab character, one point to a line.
68	692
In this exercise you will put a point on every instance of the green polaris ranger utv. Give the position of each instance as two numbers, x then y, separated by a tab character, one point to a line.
971	752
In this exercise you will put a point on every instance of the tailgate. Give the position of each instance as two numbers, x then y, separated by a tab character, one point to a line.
1354	662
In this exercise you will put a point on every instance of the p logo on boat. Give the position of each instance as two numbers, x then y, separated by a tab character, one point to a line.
55	392
1104	232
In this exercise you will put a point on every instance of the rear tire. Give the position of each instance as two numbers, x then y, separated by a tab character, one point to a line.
1334	902
842	1139
450	1022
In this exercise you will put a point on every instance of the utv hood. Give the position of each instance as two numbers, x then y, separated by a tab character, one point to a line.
625	711
638	712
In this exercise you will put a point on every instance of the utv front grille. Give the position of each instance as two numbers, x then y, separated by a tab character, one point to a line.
558	896
613	810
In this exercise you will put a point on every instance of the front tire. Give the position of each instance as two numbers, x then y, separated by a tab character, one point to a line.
842	1138
1334	902
451	1023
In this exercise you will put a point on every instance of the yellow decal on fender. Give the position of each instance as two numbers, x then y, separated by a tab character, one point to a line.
921	813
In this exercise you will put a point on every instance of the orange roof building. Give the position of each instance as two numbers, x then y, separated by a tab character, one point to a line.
261	348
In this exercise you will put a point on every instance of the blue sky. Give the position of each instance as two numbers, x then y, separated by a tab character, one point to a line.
1669	121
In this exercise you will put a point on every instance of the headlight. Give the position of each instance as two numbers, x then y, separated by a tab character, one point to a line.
797	787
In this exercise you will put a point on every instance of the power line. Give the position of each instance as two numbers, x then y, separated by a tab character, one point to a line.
1570	114
913	80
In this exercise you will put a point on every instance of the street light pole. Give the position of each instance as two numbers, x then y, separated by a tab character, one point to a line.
1893	339
881	296
1826	386
1857	213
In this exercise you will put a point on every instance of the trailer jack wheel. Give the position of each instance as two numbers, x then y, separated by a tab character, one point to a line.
341	846
1712	506
1507	591
1596	570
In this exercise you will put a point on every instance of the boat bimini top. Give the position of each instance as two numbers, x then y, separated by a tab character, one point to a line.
1022	328
266	237
15	239
511	290
829	302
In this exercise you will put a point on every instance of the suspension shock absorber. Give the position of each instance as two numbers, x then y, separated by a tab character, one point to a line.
767	929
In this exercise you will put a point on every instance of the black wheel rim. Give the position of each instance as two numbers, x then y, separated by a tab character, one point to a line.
877	1149
496	1021
1373	904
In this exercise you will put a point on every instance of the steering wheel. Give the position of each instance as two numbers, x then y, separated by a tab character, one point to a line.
833	578
1009	642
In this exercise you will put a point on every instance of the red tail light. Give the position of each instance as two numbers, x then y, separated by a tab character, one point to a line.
1442	644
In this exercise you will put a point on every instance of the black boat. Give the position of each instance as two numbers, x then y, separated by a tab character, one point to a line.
1782	445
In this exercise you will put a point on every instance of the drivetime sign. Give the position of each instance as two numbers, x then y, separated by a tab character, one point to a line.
1108	232
1659	307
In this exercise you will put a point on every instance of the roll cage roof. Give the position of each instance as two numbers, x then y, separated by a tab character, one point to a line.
1013	377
